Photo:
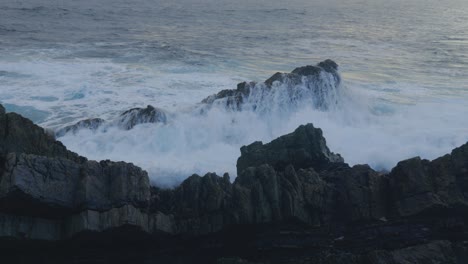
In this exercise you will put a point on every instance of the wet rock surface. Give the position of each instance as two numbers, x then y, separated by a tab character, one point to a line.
293	201
126	121
92	124
135	116
321	82
315	85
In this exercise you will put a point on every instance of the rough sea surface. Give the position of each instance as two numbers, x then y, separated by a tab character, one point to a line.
404	67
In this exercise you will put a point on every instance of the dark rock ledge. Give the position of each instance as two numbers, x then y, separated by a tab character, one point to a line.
294	201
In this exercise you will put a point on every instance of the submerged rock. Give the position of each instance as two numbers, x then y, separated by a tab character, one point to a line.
135	116
127	120
92	124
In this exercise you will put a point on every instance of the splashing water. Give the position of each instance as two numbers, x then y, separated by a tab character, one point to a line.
207	138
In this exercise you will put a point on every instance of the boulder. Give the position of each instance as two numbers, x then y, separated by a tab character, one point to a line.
232	99
135	116
304	148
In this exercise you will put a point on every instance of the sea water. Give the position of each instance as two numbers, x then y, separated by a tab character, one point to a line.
403	65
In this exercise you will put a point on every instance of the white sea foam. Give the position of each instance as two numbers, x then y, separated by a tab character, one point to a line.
366	123
73	89
362	128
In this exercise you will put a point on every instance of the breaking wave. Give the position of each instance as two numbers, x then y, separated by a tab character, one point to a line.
207	136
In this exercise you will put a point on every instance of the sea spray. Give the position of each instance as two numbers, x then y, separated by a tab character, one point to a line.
207	137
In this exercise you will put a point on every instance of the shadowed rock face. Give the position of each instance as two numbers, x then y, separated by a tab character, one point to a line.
41	180
293	201
303	148
92	124
20	135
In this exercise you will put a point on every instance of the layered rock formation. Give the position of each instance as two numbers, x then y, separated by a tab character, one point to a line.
293	201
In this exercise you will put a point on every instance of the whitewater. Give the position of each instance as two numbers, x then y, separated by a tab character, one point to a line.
403	88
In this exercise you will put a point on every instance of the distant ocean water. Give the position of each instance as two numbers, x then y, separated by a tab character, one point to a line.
404	66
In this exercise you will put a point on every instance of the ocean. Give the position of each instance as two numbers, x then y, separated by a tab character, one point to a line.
403	65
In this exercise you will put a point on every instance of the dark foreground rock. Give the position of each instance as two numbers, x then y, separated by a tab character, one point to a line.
304	148
293	201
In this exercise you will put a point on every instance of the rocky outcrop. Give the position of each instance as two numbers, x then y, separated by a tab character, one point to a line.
293	201
315	85
304	148
135	116
92	124
51	188
21	135
320	83
431	187
127	120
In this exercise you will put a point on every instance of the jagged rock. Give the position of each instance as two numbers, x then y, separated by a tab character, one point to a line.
63	183
40	178
127	120
135	116
431	187
304	148
21	135
92	124
295	77
361	193
320	80
201	204
233	99
326	65
263	195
